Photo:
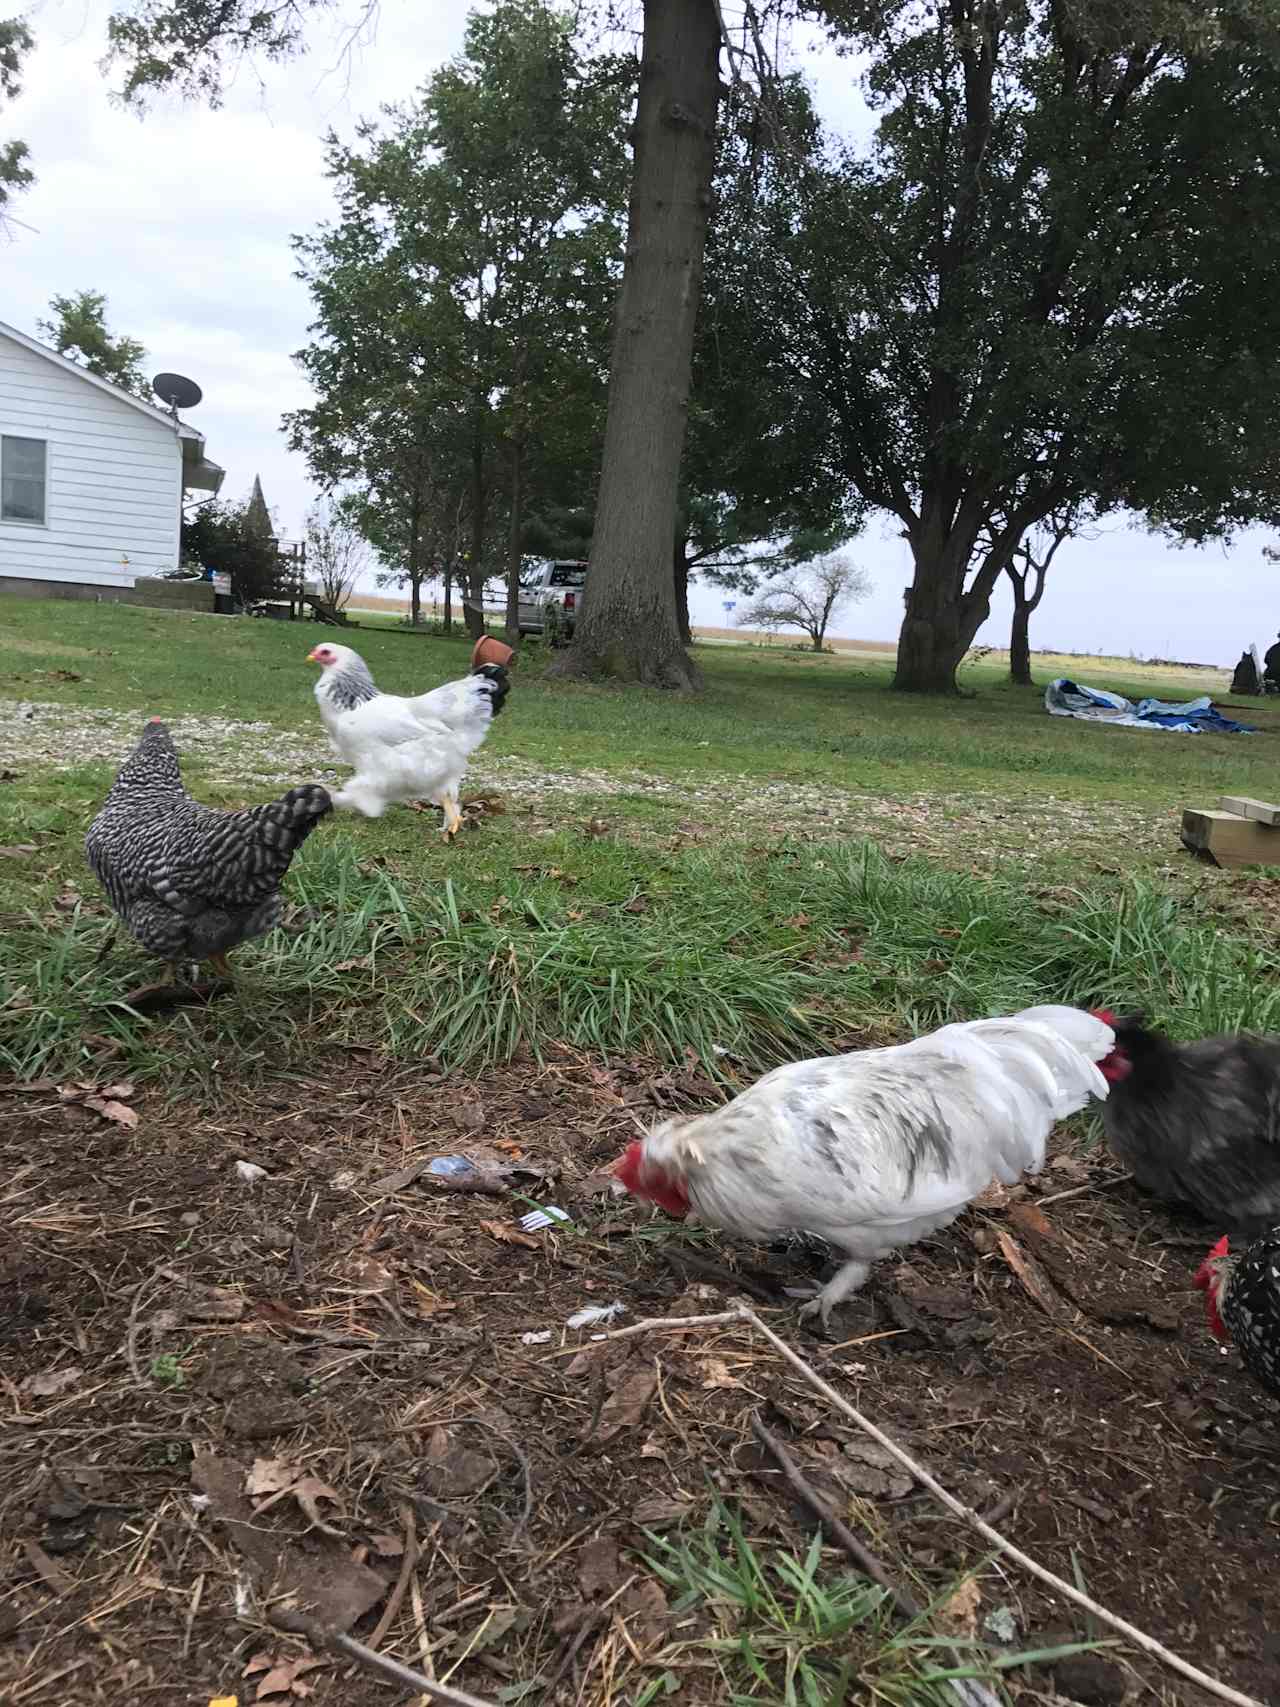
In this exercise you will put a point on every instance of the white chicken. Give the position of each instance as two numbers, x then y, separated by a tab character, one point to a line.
877	1149
404	749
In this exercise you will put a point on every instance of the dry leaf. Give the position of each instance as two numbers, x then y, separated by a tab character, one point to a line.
124	1091
110	1110
626	1404
959	1614
308	1493
599	1567
18	850
213	1305
270	1476
387	1546
285	1678
51	1381
996	1196
658	1514
509	1235
1027	1218
865	1468
717	1373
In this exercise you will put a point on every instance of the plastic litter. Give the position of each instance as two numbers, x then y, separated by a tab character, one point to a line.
451	1165
536	1219
250	1172
536	1339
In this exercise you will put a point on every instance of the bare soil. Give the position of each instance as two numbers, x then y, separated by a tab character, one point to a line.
351	1337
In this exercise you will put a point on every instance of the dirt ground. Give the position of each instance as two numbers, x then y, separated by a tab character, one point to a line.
343	1381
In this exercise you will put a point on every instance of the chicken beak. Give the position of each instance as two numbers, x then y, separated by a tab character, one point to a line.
311	656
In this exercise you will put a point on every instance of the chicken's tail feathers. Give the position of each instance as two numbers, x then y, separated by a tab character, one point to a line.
498	678
286	823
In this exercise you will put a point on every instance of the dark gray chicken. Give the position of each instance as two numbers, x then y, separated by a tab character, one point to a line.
1198	1123
190	882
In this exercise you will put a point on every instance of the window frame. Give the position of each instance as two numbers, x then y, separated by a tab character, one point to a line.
26	521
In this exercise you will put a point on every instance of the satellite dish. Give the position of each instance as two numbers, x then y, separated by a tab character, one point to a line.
177	392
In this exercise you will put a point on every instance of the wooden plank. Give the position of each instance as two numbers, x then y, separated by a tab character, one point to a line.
1243	807
1230	840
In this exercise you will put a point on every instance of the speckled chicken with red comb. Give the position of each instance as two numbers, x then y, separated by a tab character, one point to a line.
1242	1298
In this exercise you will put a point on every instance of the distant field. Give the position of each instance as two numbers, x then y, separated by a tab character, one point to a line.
1055	663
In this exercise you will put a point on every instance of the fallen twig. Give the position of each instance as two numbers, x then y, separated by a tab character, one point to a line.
408	1560
297	1624
1084	1190
1060	1585
865	1560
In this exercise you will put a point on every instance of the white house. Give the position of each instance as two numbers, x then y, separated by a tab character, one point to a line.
91	478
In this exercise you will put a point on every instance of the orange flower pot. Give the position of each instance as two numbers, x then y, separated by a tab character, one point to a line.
490	650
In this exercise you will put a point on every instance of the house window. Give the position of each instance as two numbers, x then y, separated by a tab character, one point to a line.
23	479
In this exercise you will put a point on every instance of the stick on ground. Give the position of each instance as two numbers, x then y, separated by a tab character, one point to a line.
1060	1585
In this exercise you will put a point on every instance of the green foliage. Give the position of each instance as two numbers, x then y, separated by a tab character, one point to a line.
228	538
763	485
79	331
463	294
1048	279
196	46
16	41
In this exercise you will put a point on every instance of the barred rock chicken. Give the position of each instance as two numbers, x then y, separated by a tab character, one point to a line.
1242	1297
876	1150
404	749
1198	1123
190	882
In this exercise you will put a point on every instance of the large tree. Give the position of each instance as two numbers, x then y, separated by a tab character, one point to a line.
79	331
467	281
1048	279
628	627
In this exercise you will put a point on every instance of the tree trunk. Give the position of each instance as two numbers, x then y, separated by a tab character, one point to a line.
473	585
681	588
448	596
415	561
1020	641
515	532
628	627
941	620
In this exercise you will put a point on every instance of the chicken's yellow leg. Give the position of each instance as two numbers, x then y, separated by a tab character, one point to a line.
452	816
220	966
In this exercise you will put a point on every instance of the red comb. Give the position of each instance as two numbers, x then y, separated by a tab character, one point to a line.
1105	1015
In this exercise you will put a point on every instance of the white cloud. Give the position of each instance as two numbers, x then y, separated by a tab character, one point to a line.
184	220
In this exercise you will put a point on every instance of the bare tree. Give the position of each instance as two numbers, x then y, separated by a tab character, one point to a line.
1027	568
337	552
808	598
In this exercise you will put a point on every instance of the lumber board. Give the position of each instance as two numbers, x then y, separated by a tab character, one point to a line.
1229	839
1243	807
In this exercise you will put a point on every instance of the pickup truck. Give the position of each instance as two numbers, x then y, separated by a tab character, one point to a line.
557	584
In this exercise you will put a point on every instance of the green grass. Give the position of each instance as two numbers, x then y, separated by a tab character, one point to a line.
784	1631
763	715
746	948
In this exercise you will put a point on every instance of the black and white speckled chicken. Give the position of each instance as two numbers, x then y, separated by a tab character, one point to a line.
1242	1296
190	882
1198	1123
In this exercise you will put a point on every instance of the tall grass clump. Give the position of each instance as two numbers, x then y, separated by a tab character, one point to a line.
741	960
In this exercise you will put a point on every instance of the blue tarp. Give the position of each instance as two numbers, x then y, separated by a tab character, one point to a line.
1065	698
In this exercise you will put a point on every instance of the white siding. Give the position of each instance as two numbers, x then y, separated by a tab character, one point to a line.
114	478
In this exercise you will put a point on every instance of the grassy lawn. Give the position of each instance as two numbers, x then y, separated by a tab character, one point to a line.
656	894
795	859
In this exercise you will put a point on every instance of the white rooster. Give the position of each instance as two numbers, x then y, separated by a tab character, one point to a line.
877	1149
404	749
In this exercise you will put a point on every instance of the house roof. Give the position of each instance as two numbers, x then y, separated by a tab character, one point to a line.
116	391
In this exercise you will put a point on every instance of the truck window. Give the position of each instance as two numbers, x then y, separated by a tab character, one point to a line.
567	575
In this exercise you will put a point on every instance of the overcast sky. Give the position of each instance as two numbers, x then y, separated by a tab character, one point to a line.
184	219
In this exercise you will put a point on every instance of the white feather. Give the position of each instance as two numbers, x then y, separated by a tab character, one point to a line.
877	1149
